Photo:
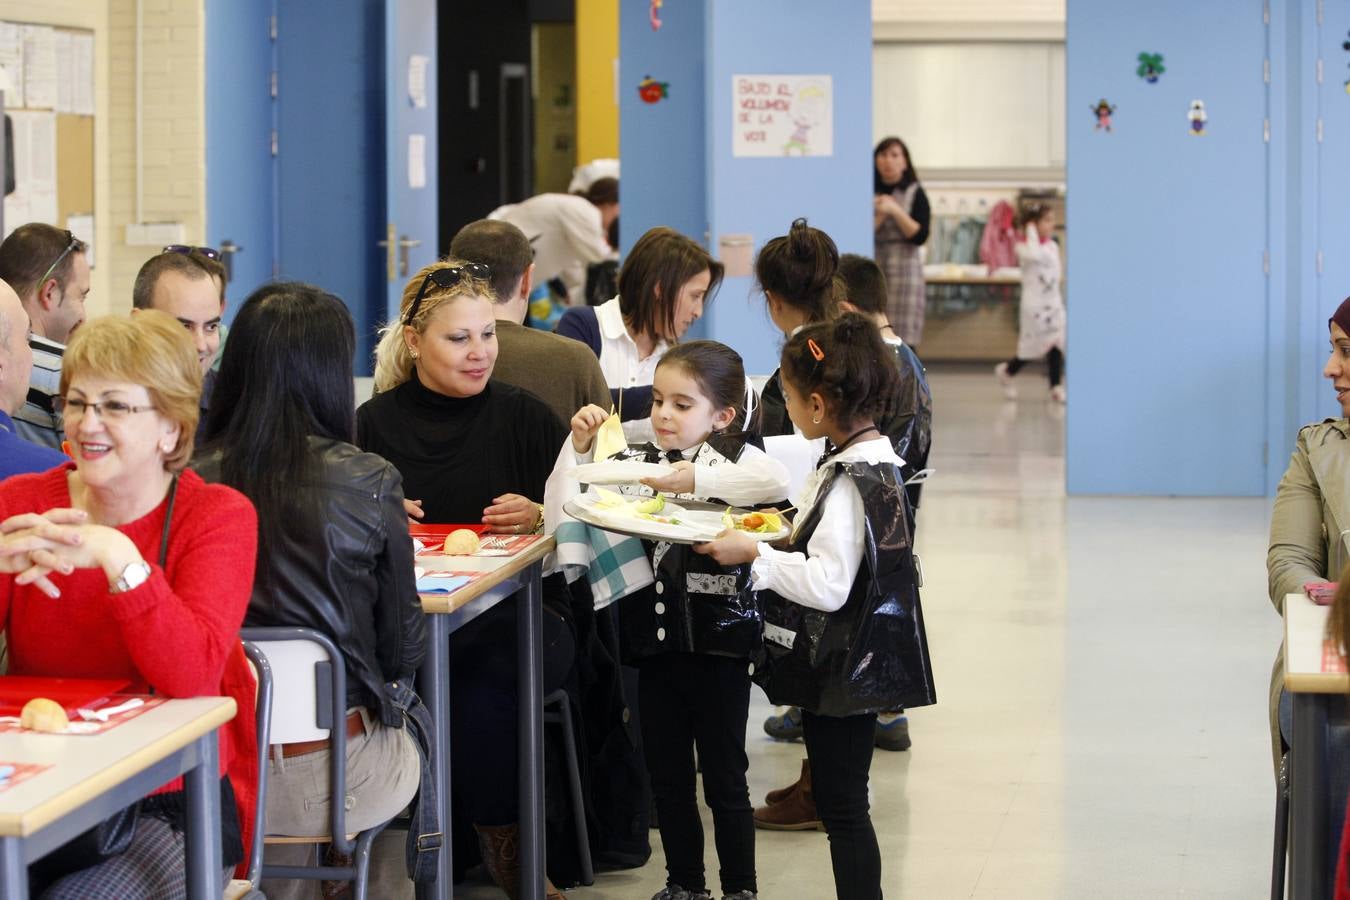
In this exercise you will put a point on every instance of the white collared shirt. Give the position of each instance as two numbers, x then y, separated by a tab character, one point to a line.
623	365
822	577
620	359
753	479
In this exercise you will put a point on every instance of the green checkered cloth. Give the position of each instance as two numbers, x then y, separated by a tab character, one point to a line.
614	564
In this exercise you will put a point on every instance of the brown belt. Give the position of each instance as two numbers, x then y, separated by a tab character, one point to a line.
355	728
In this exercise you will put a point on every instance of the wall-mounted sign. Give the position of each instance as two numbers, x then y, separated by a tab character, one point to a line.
782	115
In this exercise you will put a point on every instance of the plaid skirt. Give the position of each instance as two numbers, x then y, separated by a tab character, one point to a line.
905	299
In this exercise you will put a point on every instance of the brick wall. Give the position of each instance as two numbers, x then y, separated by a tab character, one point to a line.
173	186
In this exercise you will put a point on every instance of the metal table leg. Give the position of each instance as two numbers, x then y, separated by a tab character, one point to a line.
1308	799
201	838
433	684
13	870
530	628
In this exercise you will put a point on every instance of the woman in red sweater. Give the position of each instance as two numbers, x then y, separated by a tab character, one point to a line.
124	565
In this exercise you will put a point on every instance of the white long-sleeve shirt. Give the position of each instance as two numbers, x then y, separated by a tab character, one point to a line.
822	577
755	478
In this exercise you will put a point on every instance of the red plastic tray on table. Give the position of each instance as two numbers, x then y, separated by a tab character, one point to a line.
71	693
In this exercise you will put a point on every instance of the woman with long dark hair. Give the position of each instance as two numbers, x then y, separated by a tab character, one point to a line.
334	554
900	217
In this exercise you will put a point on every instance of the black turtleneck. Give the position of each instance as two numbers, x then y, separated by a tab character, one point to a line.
456	454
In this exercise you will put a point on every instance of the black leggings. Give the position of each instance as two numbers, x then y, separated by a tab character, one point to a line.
1054	360
689	699
840	752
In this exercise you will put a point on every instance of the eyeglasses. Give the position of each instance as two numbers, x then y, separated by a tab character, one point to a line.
71	242
73	409
445	278
209	252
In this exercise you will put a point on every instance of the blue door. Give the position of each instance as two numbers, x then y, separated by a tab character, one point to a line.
240	176
1165	397
411	211
334	181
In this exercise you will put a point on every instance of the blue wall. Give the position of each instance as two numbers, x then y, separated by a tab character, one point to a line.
1167	233
1191	366
678	168
761	196
662	144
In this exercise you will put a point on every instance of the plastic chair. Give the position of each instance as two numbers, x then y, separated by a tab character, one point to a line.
247	888
1280	854
558	710
314	702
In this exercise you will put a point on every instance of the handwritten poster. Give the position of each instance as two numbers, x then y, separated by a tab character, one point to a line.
782	115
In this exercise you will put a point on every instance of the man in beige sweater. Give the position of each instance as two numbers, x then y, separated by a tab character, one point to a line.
562	372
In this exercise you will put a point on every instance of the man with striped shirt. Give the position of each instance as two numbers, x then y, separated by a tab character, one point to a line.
48	269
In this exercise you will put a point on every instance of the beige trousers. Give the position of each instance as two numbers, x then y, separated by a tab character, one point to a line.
383	771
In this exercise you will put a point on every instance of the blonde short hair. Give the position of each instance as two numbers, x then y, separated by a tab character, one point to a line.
393	361
150	349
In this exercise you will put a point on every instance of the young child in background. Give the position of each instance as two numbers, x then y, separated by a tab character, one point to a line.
694	632
1041	320
844	634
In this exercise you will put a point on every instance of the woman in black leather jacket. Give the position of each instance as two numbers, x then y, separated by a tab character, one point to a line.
333	554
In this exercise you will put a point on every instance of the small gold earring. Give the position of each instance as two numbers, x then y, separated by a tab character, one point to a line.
815	421
414	354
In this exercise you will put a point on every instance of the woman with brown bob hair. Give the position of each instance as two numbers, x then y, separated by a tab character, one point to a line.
663	286
153	569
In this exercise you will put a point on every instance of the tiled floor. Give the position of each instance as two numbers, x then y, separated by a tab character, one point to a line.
1101	666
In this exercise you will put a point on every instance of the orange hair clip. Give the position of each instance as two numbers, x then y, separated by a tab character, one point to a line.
818	353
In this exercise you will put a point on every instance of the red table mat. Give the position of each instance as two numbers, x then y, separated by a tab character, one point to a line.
71	693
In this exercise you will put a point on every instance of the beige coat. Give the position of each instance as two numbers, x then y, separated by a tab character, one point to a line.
1308	528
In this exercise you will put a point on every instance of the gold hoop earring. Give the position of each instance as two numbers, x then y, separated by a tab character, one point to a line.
815	421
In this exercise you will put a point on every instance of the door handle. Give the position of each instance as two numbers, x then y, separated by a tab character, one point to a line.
405	244
390	246
228	249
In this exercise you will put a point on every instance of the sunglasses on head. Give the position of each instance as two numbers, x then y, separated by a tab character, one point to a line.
444	278
71	241
209	252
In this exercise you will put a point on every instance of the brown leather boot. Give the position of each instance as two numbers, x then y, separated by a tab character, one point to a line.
796	811
500	849
780	794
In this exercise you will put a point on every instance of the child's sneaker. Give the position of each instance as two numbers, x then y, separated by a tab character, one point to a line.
741	895
675	892
1058	394
1005	381
892	731
787	727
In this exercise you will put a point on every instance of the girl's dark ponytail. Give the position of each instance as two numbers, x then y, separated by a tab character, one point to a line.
847	363
799	268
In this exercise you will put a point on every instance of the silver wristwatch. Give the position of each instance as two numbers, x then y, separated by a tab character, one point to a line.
132	577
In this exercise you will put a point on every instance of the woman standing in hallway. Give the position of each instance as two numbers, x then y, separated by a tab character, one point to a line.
900	217
1309	530
1041	326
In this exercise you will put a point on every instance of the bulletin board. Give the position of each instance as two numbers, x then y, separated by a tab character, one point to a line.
48	78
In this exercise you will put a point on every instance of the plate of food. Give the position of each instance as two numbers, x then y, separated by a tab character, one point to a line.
657	518
620	471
